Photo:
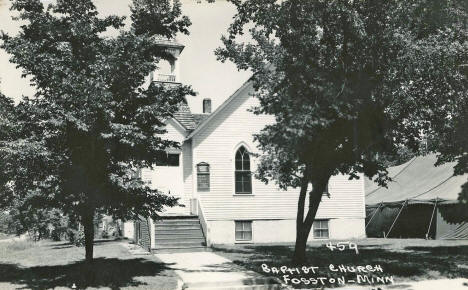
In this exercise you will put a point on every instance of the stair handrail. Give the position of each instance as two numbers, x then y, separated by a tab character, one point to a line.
203	222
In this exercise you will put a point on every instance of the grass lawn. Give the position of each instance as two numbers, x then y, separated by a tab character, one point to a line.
404	259
46	264
4	236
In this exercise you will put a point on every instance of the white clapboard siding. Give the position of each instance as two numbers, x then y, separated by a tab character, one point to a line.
216	144
170	179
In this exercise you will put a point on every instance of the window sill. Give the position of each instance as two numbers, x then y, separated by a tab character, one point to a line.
243	194
243	242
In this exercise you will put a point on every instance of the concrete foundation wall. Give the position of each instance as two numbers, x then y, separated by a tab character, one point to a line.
347	228
283	231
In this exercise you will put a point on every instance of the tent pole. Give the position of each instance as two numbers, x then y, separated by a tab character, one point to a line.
401	209
375	212
432	217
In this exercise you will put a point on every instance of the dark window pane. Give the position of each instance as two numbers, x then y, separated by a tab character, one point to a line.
203	183
242	150
243	182
238	164
243	179
238	155
161	159
248	185
246	164
238	187
173	159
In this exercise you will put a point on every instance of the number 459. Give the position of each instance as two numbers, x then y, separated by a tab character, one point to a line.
341	246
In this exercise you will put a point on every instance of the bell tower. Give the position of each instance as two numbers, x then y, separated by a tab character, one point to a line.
168	71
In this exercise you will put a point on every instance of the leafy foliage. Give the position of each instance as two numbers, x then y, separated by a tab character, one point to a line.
346	81
92	122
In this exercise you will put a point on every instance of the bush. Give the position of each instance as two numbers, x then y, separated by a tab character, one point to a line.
76	237
105	234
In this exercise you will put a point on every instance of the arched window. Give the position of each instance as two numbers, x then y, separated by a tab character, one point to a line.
243	175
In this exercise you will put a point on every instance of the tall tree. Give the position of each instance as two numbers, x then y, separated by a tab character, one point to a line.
346	82
8	127
92	122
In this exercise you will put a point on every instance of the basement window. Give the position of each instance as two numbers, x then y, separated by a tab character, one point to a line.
243	231
321	229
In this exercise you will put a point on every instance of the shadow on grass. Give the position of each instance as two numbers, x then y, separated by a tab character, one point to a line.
410	263
113	273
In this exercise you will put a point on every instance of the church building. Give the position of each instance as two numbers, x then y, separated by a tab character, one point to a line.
212	174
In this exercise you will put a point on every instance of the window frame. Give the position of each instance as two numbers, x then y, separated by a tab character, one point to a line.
243	231
242	171
321	229
208	173
166	161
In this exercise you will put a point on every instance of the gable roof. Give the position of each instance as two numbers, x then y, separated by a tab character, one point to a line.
188	120
184	116
207	119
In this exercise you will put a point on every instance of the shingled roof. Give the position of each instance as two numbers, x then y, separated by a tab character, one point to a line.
187	119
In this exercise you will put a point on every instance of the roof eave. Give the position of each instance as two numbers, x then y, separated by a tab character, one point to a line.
219	109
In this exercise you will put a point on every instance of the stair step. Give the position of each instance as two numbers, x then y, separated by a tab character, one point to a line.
179	240
187	221
176	228
177	225
180	250
178	217
179	233
186	232
173	236
179	246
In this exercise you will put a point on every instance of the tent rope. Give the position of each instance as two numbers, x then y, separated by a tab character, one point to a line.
432	217
401	209
432	188
375	212
427	191
395	176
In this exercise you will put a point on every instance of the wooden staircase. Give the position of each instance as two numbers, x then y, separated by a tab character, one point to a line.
179	234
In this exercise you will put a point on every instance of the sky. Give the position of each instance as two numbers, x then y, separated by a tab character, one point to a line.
198	65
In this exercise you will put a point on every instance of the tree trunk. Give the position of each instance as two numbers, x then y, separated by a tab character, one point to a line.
301	236
303	227
88	225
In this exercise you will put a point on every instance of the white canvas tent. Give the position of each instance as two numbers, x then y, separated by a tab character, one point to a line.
420	197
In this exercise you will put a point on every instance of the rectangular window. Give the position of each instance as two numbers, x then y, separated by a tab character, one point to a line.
243	182
244	231
167	159
203	176
321	229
